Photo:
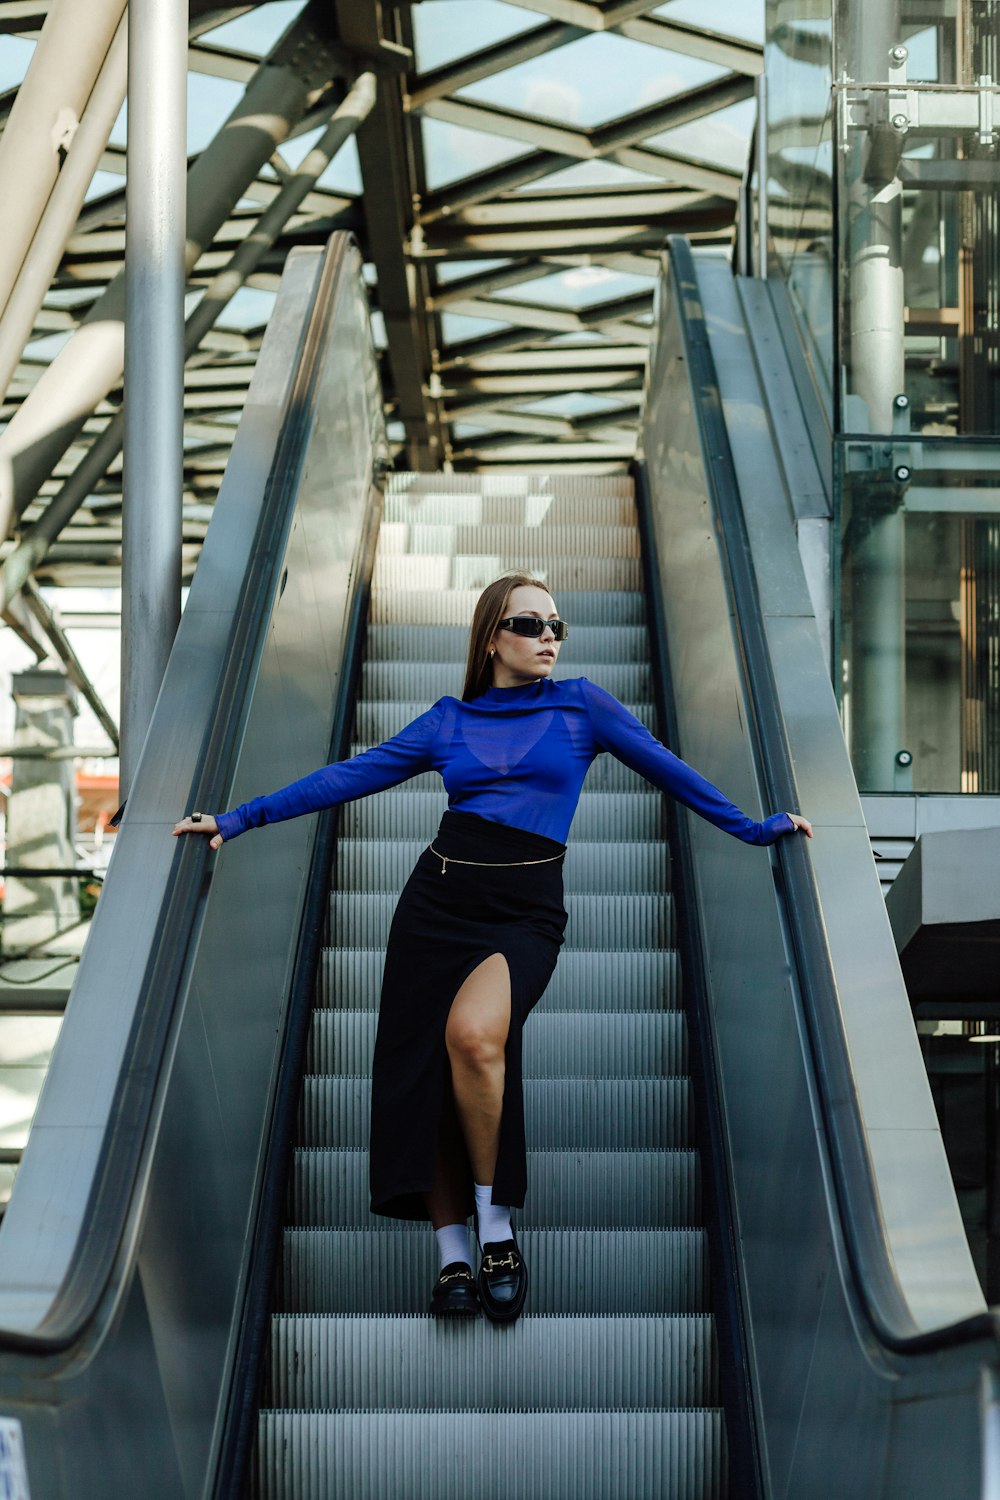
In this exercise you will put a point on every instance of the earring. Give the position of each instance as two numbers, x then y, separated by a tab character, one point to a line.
492	654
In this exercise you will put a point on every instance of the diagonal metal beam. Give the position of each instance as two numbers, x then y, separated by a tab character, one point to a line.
693	216
389	179
529	316
491	60
562	142
683	170
587	16
681	109
512	124
480	187
572	206
730	52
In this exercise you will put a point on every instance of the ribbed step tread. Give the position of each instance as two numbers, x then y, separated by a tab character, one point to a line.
402	814
440	572
530	510
387	1363
577	1043
632	1113
612	1192
596	607
361	919
650	1272
588	866
351	979
509	482
431	680
500	1455
449	643
549	541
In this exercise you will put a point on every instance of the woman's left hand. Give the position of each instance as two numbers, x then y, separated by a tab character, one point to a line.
802	825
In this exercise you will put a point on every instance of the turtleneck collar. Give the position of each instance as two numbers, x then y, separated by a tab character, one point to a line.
512	694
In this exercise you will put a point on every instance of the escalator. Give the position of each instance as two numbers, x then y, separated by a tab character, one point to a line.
748	1274
608	1384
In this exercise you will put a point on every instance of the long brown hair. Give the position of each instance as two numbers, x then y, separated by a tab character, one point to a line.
490	609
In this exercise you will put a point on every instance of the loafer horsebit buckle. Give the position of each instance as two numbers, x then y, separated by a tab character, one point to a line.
490	1264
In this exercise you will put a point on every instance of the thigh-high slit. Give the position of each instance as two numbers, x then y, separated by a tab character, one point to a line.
443	928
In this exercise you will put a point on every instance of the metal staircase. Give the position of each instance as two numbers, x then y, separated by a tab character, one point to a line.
607	1385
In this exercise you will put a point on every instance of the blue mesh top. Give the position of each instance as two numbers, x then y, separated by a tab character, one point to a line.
515	755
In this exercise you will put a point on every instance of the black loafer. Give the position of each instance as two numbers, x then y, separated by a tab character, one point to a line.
502	1281
454	1294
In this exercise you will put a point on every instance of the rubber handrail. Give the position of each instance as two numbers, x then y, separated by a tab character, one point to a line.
237	1448
742	1438
872	1269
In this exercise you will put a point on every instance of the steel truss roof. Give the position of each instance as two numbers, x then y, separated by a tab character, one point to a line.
505	396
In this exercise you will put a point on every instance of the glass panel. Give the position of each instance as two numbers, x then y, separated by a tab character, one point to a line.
798	60
919	273
599	77
920	613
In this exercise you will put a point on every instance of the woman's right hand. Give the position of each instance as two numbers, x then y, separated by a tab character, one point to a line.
206	824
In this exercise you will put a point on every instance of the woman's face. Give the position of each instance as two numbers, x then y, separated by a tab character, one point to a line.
520	658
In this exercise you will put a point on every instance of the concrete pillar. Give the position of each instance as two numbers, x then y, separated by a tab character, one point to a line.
41	813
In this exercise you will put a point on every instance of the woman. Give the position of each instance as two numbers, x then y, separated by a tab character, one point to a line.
478	926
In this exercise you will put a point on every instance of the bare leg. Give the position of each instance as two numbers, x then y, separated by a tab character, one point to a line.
476	1034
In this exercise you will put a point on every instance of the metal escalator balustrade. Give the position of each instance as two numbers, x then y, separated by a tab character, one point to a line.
607	1384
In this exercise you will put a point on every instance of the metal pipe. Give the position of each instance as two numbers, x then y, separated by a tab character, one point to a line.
62	210
91	364
876	372
49	104
74	667
153	480
763	177
35	542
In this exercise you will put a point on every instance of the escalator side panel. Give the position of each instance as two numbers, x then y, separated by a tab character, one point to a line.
817	1375
284	548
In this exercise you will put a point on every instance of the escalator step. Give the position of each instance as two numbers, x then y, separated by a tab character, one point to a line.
361	919
583	606
520	1455
629	682
633	1113
374	1362
651	1272
576	1043
607	643
547	542
443	572
612	868
439	509
608	1190
351	979
507	482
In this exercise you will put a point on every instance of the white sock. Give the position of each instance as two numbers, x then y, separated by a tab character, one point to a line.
494	1218
453	1243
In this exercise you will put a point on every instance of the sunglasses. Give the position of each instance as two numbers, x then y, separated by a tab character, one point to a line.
532	627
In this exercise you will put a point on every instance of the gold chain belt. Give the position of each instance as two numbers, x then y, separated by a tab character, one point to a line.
490	864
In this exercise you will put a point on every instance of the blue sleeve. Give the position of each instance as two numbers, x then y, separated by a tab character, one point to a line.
626	737
407	754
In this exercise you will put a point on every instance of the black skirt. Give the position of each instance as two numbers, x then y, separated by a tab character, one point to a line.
444	926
